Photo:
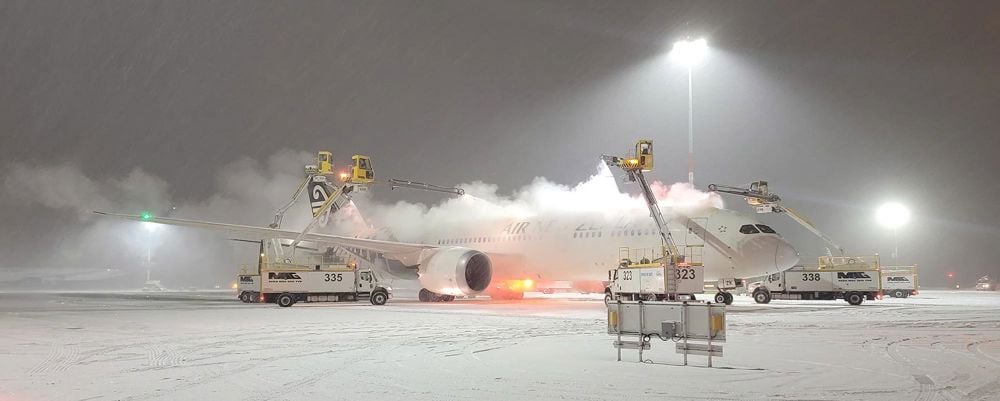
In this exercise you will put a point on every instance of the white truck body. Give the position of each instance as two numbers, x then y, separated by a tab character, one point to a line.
648	282
329	283
811	283
248	283
900	281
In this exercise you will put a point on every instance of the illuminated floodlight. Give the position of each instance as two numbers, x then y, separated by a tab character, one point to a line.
689	53
893	215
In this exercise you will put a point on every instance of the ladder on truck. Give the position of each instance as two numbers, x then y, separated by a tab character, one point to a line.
763	201
634	166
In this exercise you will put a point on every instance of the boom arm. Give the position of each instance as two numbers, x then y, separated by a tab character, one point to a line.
635	174
763	201
397	183
281	212
809	226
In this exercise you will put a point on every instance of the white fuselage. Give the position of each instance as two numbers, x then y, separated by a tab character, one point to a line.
583	246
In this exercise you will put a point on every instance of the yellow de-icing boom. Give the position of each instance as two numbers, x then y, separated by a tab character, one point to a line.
634	166
763	201
326	197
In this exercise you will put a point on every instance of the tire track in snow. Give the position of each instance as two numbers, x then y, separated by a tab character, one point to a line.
974	347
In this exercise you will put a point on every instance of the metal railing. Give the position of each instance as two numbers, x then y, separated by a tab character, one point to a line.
855	262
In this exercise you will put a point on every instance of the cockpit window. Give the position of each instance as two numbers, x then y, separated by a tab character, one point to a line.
765	229
749	229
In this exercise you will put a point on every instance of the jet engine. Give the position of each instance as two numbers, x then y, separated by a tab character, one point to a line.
456	271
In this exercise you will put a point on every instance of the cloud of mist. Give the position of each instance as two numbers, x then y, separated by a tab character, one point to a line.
597	196
249	192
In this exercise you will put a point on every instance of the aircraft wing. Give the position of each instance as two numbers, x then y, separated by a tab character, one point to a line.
404	252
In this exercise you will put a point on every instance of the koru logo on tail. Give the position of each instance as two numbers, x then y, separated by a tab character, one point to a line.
317	197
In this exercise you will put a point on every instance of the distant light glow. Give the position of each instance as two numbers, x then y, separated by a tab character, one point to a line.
150	227
689	53
893	215
146	216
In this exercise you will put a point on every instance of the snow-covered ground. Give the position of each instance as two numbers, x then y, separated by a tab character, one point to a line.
119	346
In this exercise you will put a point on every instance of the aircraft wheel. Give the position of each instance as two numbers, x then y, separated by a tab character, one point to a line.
285	300
379	298
720	298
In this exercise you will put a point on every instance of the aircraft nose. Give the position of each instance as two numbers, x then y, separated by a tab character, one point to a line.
785	256
765	254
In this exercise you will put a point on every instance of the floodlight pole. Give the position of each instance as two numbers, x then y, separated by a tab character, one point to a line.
895	246
149	254
691	125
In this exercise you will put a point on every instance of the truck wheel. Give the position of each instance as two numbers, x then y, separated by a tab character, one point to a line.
906	294
898	294
425	295
854	298
607	298
720	298
285	300
729	298
448	298
245	297
379	298
762	297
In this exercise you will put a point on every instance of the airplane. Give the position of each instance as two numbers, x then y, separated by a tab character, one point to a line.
505	257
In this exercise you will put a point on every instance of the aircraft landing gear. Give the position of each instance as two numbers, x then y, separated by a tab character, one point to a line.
426	295
723	297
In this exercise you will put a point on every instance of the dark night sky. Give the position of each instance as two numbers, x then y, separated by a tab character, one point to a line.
840	105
